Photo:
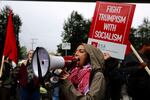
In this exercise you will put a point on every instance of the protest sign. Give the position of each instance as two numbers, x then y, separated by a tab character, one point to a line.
110	27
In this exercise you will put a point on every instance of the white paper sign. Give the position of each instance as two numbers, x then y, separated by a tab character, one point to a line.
116	50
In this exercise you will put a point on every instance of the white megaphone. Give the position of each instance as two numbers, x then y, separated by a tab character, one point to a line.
43	63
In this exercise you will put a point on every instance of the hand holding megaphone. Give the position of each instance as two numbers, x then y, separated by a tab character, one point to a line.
64	75
59	74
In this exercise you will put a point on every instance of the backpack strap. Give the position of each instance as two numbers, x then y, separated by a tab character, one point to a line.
93	72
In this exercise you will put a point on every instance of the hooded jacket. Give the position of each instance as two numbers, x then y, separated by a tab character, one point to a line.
97	86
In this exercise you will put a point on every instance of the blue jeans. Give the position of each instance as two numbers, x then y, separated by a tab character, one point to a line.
25	94
55	93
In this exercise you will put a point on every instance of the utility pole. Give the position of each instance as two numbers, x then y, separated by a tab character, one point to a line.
33	42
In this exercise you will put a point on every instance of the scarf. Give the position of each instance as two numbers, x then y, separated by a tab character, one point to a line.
80	78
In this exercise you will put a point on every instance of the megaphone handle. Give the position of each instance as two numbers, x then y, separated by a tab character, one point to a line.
53	72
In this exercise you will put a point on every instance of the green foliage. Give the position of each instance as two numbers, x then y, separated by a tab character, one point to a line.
4	13
141	34
76	30
23	52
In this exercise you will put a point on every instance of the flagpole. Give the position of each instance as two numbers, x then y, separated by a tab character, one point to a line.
139	58
2	65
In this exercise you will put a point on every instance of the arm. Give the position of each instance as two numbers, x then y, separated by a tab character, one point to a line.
131	64
96	92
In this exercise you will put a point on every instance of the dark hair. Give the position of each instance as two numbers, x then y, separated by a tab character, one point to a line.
145	42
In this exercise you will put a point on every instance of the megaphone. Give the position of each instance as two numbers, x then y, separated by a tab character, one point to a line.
43	63
40	62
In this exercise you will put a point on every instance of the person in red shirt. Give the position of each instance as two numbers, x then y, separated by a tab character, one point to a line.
29	86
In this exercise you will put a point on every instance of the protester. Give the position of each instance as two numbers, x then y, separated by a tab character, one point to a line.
137	79
29	87
6	80
86	80
114	79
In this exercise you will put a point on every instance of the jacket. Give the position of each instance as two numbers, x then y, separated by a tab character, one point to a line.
23	77
97	86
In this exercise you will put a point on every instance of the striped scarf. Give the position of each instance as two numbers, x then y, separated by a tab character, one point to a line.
80	78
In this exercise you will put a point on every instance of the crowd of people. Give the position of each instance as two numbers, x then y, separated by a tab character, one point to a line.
95	76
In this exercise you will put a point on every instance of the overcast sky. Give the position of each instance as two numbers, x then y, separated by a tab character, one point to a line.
43	21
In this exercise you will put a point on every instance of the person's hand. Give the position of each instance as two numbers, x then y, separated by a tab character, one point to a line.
106	56
142	65
64	75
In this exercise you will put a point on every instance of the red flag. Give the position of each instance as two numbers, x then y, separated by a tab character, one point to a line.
10	47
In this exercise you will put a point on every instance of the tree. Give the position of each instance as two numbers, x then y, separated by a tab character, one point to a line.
3	25
23	52
144	29
76	30
141	34
133	37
